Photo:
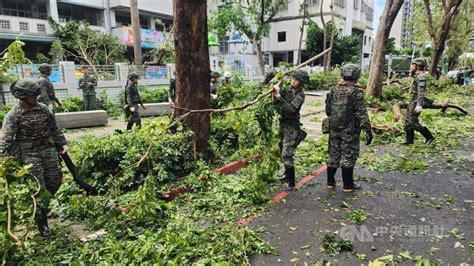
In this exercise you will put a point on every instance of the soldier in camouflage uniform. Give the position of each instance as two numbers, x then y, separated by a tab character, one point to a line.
172	89
132	98
30	134
47	95
417	101
87	84
289	102
345	108
214	80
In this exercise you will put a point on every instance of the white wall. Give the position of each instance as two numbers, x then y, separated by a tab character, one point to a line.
156	6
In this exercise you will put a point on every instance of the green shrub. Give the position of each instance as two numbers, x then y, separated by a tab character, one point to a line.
323	81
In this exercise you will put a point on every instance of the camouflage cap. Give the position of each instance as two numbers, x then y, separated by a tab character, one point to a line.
350	72
301	75
271	73
22	89
133	76
44	68
215	74
419	62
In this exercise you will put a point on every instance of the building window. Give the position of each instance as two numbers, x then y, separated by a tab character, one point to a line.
4	24
24	26
363	6
282	36
370	13
366	55
365	40
41	28
356	4
340	3
314	2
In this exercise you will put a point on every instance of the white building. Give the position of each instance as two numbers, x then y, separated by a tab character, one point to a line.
29	18
352	17
400	30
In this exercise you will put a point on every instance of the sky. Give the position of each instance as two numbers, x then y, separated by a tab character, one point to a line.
377	11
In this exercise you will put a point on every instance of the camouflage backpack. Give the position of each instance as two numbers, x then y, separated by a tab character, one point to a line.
341	104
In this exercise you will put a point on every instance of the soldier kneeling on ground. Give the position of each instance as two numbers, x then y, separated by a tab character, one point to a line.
289	102
30	134
347	115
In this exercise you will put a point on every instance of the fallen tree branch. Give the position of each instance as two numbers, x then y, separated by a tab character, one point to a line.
400	117
248	104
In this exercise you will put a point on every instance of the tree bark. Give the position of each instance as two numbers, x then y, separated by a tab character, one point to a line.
331	44
192	69
258	48
325	58
390	11
438	38
302	31
137	42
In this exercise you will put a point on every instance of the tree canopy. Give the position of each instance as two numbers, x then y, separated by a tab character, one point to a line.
79	42
346	48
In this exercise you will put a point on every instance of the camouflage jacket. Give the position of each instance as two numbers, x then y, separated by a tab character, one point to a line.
131	94
87	85
417	89
29	127
345	107
289	105
47	90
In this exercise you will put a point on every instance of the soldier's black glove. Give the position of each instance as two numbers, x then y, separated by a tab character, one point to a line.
369	137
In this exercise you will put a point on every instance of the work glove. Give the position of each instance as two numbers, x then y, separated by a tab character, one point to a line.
276	91
418	109
63	150
369	136
132	109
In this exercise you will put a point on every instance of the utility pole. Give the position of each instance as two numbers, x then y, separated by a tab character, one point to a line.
137	39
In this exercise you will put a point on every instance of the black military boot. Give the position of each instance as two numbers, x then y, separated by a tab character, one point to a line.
427	134
42	223
348	180
129	125
331	171
290	177
410	133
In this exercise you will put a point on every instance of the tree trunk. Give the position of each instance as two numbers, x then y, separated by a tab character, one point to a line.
325	58
258	49
440	37
137	42
192	69
390	11
331	44
302	32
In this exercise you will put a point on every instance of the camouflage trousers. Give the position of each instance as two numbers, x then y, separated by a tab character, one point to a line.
343	147
412	121
291	135
134	117
45	167
90	102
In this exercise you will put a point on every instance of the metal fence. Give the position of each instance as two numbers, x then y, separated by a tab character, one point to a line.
110	72
61	93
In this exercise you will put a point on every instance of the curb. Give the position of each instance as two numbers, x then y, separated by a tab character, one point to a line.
227	169
277	198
